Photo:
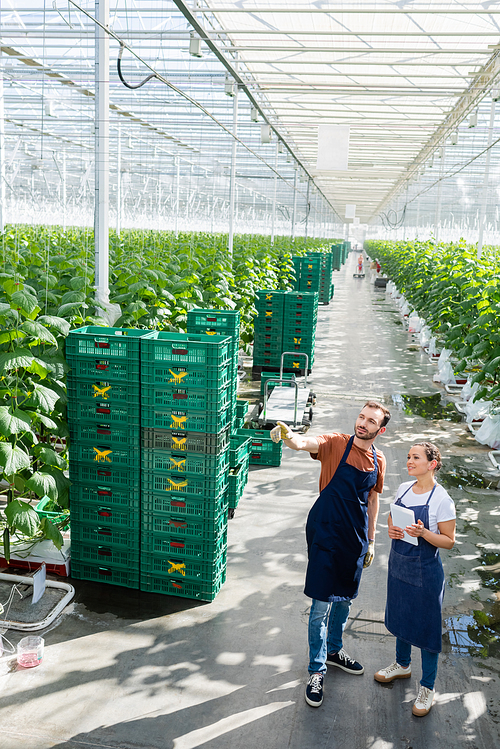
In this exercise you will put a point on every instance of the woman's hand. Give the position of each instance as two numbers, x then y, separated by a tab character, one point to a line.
395	533
416	530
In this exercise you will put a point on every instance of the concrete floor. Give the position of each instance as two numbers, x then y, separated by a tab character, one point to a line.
140	671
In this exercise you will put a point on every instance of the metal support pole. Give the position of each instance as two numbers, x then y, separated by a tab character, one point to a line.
213	204
101	208
232	179
437	219
177	194
119	182
275	190
484	195
307	209
2	155
294	212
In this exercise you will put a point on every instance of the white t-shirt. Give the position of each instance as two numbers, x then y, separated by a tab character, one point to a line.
441	506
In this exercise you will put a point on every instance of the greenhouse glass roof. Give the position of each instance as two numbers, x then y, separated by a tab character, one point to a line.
402	75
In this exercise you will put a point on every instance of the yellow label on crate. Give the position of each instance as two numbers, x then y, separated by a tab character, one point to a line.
178	422
211	332
269	313
102	456
174	486
101	392
177	568
297	340
295	364
181	444
177	378
179	464
269	297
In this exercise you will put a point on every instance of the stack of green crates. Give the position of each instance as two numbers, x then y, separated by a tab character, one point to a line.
186	417
239	457
104	422
337	256
325	286
268	328
226	323
299	328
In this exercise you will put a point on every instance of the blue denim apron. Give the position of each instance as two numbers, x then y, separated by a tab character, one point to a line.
337	533
415	588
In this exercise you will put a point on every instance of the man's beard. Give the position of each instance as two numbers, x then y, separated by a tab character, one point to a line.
365	435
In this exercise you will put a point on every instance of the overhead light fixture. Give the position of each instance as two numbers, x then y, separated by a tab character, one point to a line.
495	94
454	138
440	152
265	133
254	114
280	146
431	161
473	119
50	108
229	86
195	45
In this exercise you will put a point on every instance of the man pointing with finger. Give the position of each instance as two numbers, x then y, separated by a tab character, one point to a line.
340	534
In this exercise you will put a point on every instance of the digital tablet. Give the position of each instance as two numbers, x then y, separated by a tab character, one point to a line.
401	517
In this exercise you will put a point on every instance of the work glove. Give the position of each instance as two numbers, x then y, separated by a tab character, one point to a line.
370	555
281	432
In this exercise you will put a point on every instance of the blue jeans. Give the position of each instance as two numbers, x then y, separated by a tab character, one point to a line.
429	662
326	625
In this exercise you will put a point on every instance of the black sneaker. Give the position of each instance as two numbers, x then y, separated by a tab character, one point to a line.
314	690
345	662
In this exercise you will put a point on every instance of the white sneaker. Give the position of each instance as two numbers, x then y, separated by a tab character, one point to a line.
394	671
423	703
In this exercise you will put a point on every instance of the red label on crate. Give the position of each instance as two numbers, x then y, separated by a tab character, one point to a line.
177	545
211	319
104	531
177	503
105	571
104	473
256	444
103	431
104	493
101	344
104	552
179	351
103	410
102	366
180	396
178	523
256	456
105	513
176	585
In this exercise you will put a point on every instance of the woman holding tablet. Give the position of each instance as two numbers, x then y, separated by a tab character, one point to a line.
415	584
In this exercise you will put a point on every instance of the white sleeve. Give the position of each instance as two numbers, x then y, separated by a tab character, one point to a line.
445	510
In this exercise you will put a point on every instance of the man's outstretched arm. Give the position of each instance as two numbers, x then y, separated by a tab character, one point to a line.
294	441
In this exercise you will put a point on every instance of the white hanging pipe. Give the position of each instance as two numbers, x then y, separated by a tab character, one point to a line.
119	182
232	179
177	188
484	195
294	212
213	204
64	193
307	208
2	155
437	219
101	208
159	202
273	220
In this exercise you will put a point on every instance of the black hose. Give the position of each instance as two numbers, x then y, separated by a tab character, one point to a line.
119	67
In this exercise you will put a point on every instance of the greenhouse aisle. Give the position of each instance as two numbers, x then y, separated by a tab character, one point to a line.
138	671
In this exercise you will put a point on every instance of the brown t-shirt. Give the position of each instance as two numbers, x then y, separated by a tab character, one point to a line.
331	449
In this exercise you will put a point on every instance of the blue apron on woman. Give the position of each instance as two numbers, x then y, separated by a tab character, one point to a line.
337	532
415	588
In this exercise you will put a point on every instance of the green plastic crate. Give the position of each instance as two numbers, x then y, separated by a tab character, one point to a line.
103	391
240	445
186	397
105	514
224	319
199	549
236	485
111	435
162	461
100	368
55	517
99	412
127	578
112	499
183	507
197	528
185	441
105	535
185	484
175	349
171	565
108	343
267	349
110	556
191	421
201	591
105	475
105	455
242	407
159	374
262	450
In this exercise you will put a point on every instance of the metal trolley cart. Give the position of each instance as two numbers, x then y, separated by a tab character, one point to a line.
288	402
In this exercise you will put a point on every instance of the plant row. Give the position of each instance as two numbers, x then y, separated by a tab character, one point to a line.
458	296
